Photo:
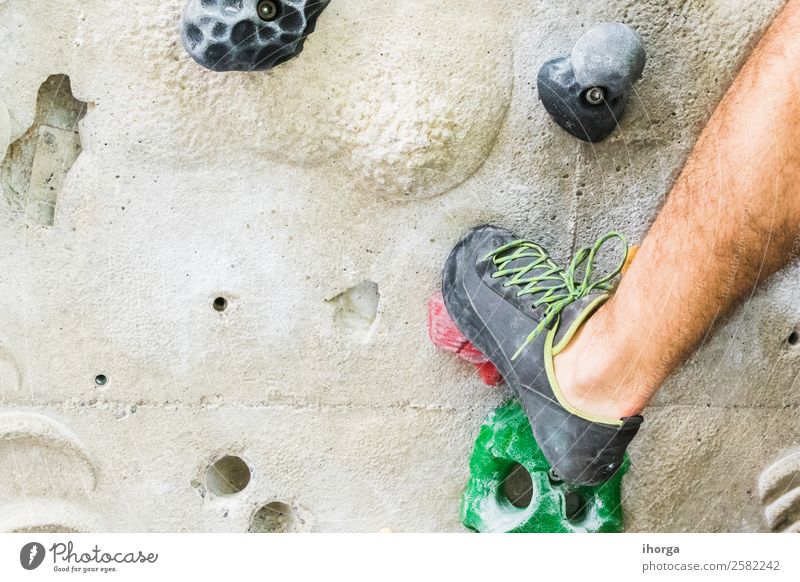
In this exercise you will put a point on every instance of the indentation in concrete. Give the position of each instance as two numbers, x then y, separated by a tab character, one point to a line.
33	173
356	309
274	517
27	440
779	491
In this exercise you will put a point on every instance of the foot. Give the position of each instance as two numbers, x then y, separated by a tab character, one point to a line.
592	375
520	309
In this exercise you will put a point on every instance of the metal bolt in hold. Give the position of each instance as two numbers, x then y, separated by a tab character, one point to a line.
595	96
267	10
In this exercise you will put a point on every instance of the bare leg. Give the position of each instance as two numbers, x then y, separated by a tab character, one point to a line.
729	222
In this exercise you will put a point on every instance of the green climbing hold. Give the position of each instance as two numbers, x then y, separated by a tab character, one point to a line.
512	489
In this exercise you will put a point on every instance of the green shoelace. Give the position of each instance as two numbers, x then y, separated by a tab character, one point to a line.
565	289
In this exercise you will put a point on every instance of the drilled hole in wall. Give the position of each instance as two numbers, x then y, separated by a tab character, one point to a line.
101	380
574	506
517	488
275	517
227	476
794	338
37	163
220	304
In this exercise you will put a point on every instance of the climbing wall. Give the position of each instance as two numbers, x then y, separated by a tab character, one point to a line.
214	283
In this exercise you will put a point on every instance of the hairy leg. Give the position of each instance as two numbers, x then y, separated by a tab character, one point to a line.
729	222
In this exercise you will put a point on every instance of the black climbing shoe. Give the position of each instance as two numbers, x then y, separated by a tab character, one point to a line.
586	93
247	35
520	309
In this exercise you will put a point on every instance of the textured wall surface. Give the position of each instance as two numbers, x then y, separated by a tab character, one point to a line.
319	200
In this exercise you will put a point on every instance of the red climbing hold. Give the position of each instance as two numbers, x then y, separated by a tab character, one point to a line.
445	335
489	374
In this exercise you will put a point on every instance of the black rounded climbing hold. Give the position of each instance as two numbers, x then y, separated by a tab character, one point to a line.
247	35
586	93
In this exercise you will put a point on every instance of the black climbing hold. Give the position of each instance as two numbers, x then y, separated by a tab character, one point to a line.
586	93
247	35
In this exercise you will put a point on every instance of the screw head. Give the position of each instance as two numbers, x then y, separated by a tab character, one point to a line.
595	96
267	10
554	477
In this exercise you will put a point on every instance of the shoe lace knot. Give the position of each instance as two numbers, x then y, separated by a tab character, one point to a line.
528	266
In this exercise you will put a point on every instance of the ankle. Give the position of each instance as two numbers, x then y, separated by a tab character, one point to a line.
594	372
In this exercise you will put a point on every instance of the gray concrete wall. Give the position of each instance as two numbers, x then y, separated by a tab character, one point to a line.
357	165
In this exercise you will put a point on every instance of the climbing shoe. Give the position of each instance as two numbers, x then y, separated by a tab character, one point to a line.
520	309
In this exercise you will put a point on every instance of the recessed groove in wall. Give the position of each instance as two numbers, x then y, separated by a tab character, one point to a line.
33	172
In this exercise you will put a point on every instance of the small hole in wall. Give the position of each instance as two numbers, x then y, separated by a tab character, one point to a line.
220	304
275	517
794	338
518	487
228	476
101	380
